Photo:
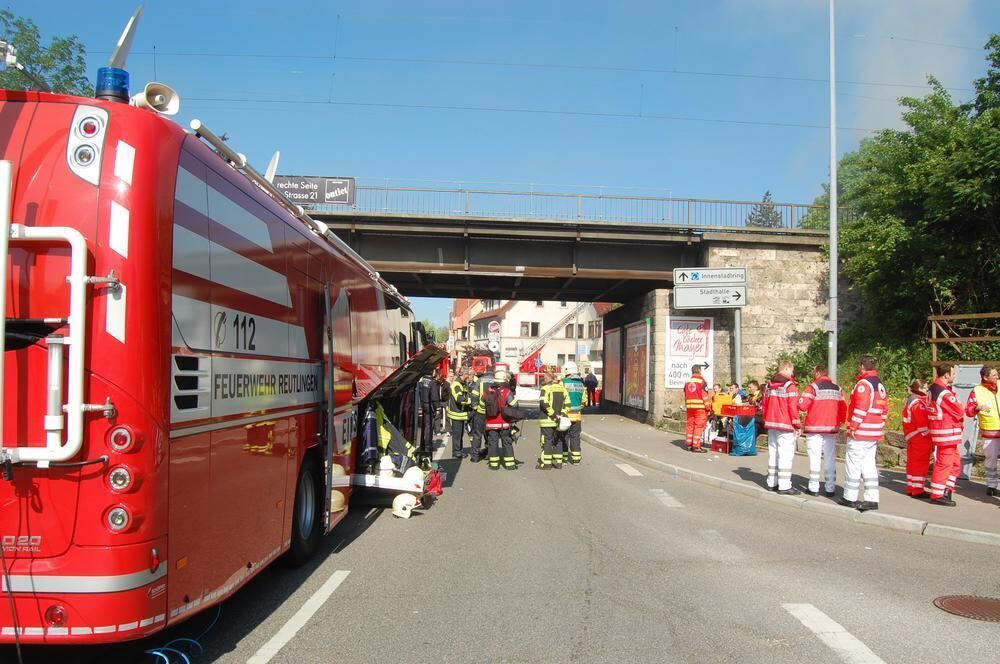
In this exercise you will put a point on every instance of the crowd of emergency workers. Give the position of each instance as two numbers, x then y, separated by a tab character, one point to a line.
932	415
485	407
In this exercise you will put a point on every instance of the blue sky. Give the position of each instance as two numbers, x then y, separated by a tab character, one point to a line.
718	73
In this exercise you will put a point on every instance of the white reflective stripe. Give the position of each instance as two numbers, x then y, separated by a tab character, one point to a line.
243	274
205	428
871	425
228	213
118	229
860	411
39	583
124	161
192	191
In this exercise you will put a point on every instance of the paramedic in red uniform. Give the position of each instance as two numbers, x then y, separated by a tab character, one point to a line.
946	419
918	439
781	417
825	409
866	415
696	400
984	406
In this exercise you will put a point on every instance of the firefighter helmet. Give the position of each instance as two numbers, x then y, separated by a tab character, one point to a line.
337	501
569	369
403	504
500	376
414	475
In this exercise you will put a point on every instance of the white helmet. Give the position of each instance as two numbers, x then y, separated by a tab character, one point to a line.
403	504
564	423
569	369
414	475
500	376
385	467
337	501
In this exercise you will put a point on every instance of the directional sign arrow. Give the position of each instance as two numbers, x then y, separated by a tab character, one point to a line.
736	295
682	276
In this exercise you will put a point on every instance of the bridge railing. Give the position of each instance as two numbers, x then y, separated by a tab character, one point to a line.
572	207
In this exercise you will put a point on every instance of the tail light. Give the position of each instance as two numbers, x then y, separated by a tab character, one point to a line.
55	615
120	479
86	142
118	519
121	439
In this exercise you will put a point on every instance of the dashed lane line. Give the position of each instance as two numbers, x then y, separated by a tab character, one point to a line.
628	470
830	632
298	621
665	498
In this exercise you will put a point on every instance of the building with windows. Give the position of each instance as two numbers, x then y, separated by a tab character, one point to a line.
531	332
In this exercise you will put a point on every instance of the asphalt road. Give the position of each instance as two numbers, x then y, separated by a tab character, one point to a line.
595	564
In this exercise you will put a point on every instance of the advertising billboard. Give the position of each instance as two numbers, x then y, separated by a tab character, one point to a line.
612	389
689	342
637	365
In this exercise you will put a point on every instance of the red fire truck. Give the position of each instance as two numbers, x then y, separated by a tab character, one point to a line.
184	355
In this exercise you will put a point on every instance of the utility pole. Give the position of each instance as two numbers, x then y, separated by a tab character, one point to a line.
832	322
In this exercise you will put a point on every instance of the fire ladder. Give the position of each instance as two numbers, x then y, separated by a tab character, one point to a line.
549	333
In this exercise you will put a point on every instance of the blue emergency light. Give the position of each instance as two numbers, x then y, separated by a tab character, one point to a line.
112	84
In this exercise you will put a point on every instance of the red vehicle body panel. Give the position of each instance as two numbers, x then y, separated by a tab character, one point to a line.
214	357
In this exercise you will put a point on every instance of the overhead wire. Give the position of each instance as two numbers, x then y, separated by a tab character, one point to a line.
535	111
532	65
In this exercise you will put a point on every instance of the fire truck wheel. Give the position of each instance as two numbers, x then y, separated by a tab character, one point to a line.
306	520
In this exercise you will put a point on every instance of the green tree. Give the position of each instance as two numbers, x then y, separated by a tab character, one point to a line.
437	333
763	214
924	233
60	65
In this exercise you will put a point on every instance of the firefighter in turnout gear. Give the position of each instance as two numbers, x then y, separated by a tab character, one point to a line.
984	406
499	396
553	403
577	392
427	390
824	406
918	439
477	414
781	417
945	419
457	411
866	413
696	400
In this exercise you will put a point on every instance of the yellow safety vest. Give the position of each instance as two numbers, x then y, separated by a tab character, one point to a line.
554	398
459	400
984	397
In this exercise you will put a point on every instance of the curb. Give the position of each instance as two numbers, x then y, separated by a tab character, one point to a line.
887	521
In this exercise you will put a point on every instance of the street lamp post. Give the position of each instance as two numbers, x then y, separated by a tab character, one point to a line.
832	322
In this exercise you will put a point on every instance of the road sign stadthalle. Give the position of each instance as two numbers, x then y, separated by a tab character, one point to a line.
712	276
709	297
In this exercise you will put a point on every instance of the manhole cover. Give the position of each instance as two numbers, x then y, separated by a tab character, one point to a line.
970	606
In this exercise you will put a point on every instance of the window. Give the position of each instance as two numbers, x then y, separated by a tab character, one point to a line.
539	303
529	329
594	329
564	304
534	329
560	359
490	304
579	331
569	332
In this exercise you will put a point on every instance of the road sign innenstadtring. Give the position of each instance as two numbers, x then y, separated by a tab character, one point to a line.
713	276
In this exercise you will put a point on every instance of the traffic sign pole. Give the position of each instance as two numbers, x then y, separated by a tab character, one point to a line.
738	345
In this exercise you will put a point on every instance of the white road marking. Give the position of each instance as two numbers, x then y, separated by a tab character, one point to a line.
665	498
628	470
298	621
830	632
440	449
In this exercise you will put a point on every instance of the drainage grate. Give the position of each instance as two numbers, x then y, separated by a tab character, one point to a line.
970	606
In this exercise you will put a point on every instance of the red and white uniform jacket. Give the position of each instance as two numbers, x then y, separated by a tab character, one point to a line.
506	397
868	409
945	416
824	406
989	421
696	395
781	404
915	417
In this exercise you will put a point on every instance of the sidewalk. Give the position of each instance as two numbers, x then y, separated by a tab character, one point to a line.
976	517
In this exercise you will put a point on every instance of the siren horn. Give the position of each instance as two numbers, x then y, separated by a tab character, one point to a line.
158	97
